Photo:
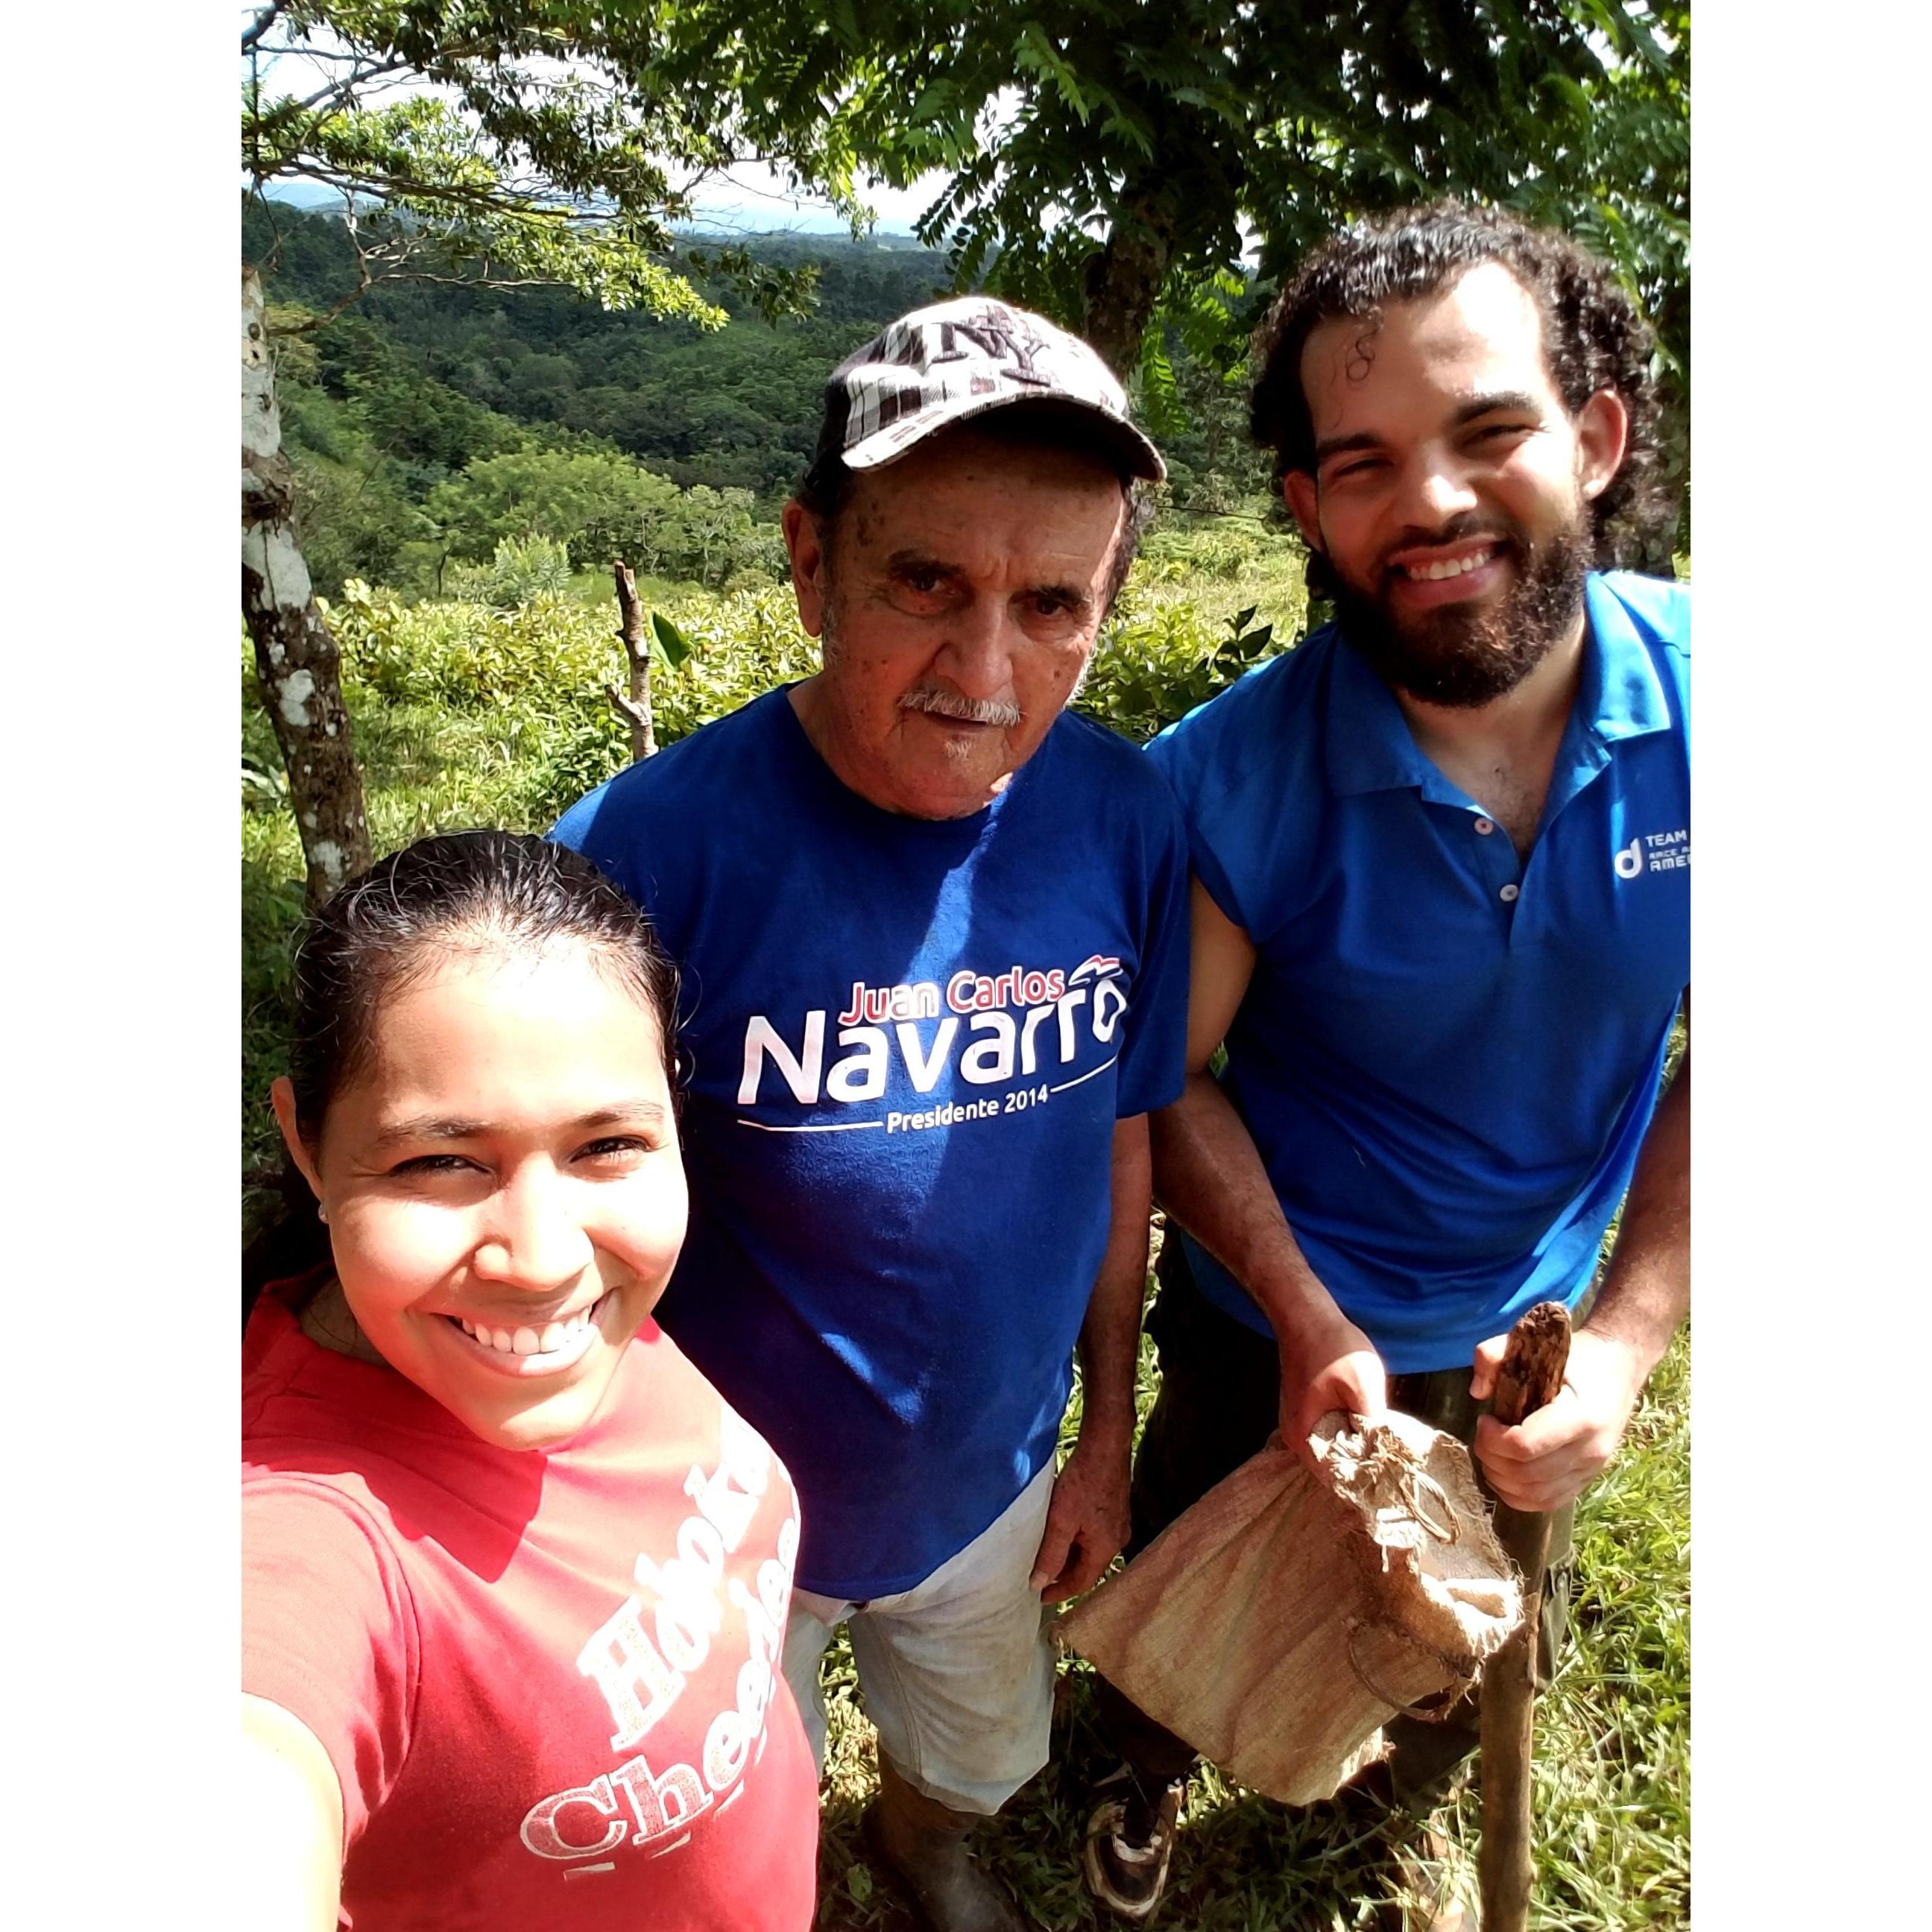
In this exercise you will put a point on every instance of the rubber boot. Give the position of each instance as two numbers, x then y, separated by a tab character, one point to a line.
923	1842
1425	1894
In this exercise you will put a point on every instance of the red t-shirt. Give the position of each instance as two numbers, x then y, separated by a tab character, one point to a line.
549	1684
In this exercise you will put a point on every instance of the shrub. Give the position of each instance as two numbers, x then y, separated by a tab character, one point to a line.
1210	494
548	660
522	569
1153	664
469	654
742	645
349	521
1220	549
599	504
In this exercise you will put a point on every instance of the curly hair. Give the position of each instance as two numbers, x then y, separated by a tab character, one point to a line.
1594	338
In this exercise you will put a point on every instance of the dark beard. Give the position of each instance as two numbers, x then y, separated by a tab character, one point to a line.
1462	657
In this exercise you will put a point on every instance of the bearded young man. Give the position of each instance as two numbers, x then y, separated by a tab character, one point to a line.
1440	921
932	928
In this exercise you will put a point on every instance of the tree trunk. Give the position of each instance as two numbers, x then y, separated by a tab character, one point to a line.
1123	280
297	666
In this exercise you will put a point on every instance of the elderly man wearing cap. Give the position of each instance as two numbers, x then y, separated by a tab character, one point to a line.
932	928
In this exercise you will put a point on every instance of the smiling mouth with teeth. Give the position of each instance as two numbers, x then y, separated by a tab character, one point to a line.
524	1341
1435	573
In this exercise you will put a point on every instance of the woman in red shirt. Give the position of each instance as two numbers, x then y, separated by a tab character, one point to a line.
514	1578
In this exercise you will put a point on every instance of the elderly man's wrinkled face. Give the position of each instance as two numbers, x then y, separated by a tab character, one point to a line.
958	606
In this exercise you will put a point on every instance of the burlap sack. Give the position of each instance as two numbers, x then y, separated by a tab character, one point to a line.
1277	1624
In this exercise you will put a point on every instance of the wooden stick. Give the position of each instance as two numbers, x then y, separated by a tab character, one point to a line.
1531	1375
636	706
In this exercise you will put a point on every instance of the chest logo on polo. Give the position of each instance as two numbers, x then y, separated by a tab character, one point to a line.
978	1030
1655	852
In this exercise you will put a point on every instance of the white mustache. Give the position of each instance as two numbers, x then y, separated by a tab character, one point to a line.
945	704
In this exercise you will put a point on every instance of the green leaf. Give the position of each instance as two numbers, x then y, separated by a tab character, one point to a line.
1571	94
858	1882
1130	130
675	645
937	103
1036	52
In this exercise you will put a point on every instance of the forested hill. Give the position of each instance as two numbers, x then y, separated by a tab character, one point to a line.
730	408
389	407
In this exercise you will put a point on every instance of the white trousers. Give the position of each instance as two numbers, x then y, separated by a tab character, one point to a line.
957	1672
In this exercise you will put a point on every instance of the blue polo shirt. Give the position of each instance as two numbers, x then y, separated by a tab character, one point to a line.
1447	1057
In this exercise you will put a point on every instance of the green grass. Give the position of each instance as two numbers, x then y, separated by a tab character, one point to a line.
1221	565
595	588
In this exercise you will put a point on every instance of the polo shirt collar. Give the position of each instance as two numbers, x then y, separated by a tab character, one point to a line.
1369	745
1370	748
1621	695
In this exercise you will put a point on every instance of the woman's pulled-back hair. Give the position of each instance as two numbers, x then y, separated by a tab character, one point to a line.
1594	338
457	891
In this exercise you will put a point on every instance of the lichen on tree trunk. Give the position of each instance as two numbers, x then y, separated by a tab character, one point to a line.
297	666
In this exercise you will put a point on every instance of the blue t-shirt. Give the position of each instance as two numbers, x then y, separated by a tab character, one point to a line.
1447	1057
909	1041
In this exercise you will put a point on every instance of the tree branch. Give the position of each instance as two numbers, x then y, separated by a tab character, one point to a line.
384	184
267	265
318	55
354	294
640	718
339	94
636	640
263	21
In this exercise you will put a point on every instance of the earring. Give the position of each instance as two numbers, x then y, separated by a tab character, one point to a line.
322	1214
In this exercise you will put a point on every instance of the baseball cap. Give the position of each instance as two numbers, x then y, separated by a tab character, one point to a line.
958	359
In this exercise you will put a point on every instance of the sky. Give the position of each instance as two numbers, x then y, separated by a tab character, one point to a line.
752	198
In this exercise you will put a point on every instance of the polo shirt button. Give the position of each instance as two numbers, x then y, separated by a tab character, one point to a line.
1486	826
1507	894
